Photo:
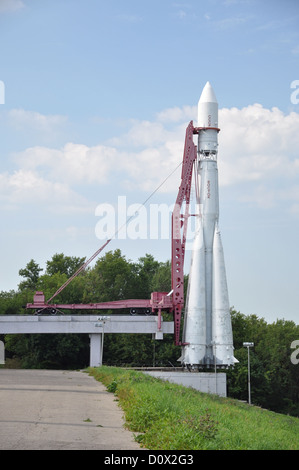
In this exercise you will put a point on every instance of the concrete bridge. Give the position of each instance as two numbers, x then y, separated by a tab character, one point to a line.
94	325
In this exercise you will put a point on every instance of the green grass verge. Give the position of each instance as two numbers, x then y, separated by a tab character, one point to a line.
167	416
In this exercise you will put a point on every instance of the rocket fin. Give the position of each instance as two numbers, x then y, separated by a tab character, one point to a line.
221	319
195	311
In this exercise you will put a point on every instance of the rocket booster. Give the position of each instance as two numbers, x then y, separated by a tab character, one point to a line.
207	337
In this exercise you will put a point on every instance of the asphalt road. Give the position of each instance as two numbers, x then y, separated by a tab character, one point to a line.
57	410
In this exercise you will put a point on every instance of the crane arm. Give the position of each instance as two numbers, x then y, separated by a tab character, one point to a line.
82	267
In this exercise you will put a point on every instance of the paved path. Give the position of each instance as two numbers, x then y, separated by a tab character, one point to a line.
55	410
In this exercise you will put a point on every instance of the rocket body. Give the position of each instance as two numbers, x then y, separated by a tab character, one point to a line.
207	337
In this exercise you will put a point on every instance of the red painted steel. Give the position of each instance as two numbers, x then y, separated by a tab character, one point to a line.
179	230
158	300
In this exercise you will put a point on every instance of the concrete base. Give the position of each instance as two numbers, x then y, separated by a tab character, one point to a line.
207	382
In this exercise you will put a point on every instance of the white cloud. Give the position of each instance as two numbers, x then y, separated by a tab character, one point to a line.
141	133
258	146
25	187
149	167
226	24
73	164
177	114
21	118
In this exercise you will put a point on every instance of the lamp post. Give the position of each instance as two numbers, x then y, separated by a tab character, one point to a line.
248	346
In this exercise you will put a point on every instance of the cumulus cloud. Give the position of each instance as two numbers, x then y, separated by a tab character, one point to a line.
34	126
72	164
142	133
258	147
177	114
257	144
22	119
28	187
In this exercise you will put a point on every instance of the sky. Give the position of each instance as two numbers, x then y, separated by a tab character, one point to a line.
95	97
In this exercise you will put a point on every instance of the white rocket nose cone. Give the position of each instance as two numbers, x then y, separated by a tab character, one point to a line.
208	95
207	112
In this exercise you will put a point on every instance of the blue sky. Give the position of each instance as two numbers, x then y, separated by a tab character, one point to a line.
97	98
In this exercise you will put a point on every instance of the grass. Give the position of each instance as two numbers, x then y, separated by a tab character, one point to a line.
167	416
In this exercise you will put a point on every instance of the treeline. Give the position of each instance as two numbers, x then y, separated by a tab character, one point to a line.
274	377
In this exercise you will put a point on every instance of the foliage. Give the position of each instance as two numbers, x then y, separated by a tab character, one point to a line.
62	264
31	275
274	379
49	351
172	417
11	302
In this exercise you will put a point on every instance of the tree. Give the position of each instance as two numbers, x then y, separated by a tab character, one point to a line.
73	293
274	379
274	350
146	269
63	264
49	351
112	278
161	280
10	303
31	274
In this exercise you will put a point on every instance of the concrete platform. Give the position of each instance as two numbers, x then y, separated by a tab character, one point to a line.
207	382
91	324
94	325
59	410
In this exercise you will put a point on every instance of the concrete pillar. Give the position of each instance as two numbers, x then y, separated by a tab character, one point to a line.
2	353
96	349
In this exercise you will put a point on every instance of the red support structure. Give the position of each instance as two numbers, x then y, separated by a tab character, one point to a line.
179	231
159	301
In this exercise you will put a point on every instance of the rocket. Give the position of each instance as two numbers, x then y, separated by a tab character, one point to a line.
207	335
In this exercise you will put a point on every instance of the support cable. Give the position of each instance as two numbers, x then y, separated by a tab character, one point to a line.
84	265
